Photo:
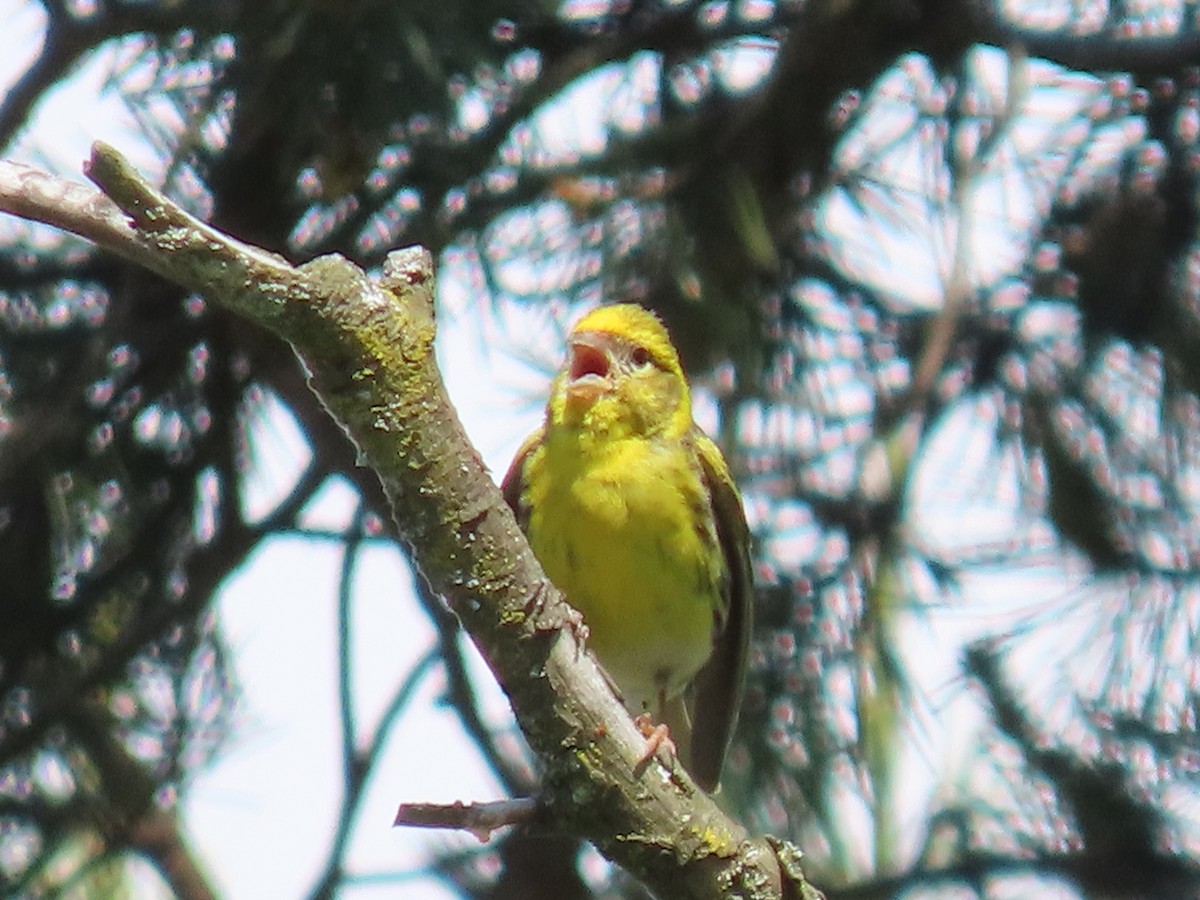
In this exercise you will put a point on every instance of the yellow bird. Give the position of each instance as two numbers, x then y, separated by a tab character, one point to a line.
633	514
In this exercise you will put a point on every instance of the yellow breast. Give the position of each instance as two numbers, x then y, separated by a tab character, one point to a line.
625	531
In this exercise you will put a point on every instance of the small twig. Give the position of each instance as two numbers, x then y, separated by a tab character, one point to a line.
958	287
481	819
78	208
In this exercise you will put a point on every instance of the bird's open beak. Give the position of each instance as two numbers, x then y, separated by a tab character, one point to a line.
589	367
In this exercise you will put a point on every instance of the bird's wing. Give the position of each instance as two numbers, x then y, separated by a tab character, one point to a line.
513	485
717	688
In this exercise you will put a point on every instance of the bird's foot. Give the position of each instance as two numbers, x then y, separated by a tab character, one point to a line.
564	615
658	738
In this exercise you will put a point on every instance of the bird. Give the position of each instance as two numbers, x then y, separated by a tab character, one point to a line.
633	514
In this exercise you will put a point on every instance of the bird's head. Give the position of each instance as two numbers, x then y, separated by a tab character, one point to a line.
621	376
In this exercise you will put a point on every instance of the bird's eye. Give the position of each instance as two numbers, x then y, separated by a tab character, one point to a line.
640	357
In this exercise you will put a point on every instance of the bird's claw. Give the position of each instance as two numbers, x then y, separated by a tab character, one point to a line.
563	616
658	738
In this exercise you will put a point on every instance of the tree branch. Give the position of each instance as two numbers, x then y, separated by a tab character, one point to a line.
368	345
481	819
